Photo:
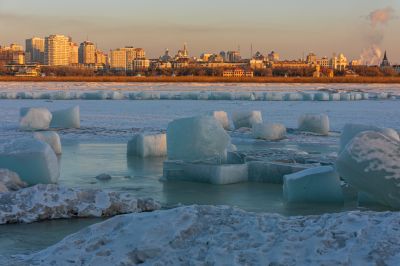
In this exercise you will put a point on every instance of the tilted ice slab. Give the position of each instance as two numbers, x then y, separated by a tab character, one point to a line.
43	202
371	163
198	235
315	185
33	160
51	138
68	118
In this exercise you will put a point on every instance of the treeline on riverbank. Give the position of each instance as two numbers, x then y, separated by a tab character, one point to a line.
204	79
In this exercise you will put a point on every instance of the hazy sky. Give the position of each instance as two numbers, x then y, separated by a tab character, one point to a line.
290	27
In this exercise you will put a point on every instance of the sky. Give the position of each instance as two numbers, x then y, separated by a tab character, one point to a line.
289	27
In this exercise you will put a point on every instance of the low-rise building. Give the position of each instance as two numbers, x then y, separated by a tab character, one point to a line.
237	73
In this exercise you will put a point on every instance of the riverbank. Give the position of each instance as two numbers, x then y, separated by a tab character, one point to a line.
201	79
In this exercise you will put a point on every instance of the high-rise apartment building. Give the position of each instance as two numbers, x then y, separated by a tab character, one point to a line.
122	58
74	53
118	59
87	53
34	50
57	50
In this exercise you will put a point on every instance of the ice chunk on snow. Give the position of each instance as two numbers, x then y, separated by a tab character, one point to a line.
35	119
115	95
307	96
273	96
51	138
95	95
272	172
67	118
221	96
221	117
316	123
293	96
246	118
33	160
148	145
334	97
43	202
244	96
196	139
370	163
206	173
10	180
345	97
321	96
318	185
269	131
365	96
351	130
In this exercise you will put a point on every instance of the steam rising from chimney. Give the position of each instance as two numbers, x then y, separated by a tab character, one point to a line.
378	19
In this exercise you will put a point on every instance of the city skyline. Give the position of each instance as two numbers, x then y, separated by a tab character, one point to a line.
290	28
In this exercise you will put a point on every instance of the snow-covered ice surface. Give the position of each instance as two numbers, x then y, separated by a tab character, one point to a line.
106	126
42	202
207	235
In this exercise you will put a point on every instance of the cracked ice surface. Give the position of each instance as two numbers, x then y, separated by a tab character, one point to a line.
42	202
207	235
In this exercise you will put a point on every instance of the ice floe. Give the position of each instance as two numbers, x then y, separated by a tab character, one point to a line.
227	236
44	202
33	160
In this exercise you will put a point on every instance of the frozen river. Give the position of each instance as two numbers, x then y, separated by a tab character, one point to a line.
106	126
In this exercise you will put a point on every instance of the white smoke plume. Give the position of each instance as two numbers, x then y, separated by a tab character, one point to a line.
381	16
378	19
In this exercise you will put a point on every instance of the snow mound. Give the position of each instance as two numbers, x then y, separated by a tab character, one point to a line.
51	138
68	118
198	138
246	118
318	185
35	119
269	131
315	123
10	181
44	202
33	160
370	163
198	235
146	145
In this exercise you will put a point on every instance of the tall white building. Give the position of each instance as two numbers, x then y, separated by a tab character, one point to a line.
34	50
57	50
